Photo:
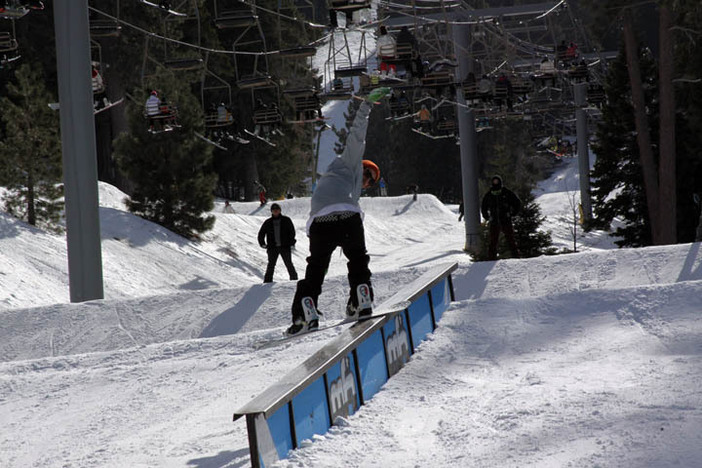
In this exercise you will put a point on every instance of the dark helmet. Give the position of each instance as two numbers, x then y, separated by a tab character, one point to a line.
275	206
496	182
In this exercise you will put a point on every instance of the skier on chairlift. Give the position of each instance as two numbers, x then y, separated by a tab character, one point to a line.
153	109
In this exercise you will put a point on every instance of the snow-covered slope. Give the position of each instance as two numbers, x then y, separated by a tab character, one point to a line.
588	359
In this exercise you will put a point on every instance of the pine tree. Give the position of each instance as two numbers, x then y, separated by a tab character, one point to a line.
30	152
617	179
172	172
688	93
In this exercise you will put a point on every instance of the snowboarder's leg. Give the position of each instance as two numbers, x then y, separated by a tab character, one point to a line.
272	260
322	245
354	248
287	259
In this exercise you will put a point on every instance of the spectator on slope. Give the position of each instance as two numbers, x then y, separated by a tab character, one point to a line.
498	207
277	236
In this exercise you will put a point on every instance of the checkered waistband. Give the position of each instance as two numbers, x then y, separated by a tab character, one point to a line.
334	217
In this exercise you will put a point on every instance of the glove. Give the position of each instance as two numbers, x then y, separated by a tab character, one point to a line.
378	93
264	246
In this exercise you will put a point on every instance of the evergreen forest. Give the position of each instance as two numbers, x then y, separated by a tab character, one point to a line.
234	127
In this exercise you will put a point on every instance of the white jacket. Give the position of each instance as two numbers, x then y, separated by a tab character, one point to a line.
339	188
386	45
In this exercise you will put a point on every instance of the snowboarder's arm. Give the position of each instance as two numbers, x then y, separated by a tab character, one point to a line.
356	140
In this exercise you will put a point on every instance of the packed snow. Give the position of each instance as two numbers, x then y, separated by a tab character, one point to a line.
587	359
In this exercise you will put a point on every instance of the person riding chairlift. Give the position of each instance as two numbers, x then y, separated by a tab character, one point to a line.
153	109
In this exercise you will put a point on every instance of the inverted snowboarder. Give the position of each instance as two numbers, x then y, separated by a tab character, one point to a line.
336	220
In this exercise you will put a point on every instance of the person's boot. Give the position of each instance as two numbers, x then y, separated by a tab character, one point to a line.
310	321
362	306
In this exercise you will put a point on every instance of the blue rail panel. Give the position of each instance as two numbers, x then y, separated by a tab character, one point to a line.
397	343
342	387
420	319
441	299
310	411
279	427
371	362
345	373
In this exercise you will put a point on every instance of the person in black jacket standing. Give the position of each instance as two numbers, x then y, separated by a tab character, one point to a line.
277	236
498	207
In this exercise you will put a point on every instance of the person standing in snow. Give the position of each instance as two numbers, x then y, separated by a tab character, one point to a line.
277	236
336	220
383	188
498	207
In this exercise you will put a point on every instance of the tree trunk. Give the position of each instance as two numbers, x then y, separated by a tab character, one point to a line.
666	168
31	201
643	135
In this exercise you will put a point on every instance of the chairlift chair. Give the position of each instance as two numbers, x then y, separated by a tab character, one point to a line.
217	92
521	86
305	103
437	79
349	5
167	119
595	94
348	71
7	42
104	28
13	10
255	81
184	64
236	19
298	52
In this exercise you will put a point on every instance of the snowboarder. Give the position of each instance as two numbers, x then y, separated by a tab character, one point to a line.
498	207
336	221
277	236
228	207
261	192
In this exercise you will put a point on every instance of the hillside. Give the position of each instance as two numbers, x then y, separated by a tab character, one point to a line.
588	359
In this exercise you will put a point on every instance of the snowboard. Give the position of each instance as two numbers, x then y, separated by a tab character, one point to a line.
265	140
155	5
397	307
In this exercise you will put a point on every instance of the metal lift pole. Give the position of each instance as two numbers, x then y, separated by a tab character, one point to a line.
79	150
580	91
469	143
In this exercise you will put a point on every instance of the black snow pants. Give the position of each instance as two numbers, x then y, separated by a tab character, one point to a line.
343	230
273	253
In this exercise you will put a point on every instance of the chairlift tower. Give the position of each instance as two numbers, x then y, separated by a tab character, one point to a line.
79	150
494	41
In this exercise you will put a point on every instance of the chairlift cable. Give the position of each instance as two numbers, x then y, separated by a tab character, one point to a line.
187	44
